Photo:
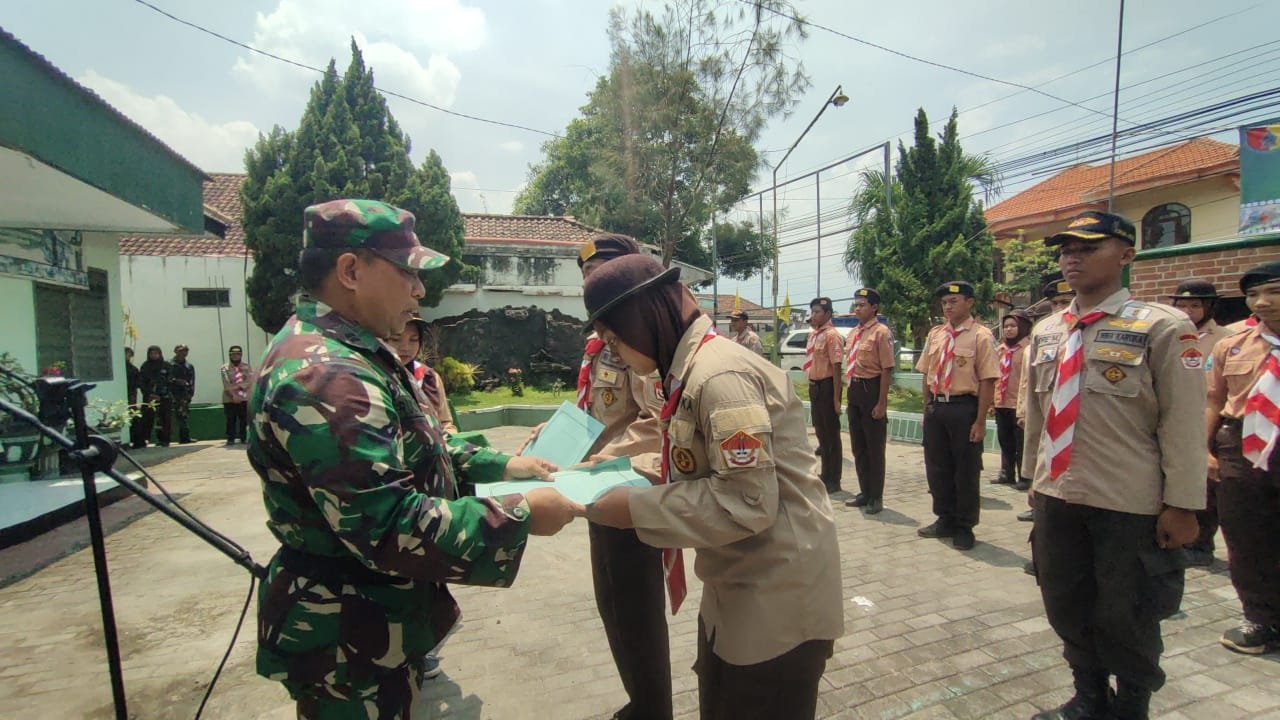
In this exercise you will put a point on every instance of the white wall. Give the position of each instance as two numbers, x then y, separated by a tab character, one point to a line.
18	320
102	252
153	294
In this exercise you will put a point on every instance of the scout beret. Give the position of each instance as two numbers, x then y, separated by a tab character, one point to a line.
1093	226
1260	275
621	279
369	225
739	315
955	287
869	294
1018	314
418	321
607	246
1056	286
1195	289
822	302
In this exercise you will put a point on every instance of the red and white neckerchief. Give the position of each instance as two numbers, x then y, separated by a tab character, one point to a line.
810	346
1006	369
851	357
947	365
673	558
419	371
1060	428
594	346
1261	424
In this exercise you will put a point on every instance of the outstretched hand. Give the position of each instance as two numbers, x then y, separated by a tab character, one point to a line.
523	467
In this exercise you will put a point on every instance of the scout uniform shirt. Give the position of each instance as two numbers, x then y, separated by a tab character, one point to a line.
1011	398
745	493
1139	435
827	351
1234	368
870	350
236	382
975	358
1210	333
629	405
749	340
353	471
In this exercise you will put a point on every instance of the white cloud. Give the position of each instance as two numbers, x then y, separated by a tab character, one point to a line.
215	147
511	146
393	34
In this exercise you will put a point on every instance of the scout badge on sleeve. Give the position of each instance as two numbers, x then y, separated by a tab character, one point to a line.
682	458
1192	359
741	450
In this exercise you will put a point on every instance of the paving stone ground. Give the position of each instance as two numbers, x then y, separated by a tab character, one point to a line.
931	632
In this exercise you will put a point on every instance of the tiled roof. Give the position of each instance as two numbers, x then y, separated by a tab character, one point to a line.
222	203
1084	186
526	229
725	304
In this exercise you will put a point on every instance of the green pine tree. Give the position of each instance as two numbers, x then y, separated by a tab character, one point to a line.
347	145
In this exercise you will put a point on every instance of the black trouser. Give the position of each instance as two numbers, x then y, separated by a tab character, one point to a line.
784	687
1249	507
137	437
631	598
1106	586
952	463
162	410
1208	519
237	419
867	436
826	426
1010	437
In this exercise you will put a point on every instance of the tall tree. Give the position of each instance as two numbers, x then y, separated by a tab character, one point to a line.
665	138
936	231
347	145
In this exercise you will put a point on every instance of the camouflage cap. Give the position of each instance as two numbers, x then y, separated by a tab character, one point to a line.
372	225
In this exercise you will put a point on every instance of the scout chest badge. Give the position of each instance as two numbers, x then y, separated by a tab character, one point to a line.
741	450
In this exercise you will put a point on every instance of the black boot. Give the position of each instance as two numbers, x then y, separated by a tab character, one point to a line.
1132	702
1089	702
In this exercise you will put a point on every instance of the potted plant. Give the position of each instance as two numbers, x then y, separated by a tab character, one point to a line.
109	418
19	442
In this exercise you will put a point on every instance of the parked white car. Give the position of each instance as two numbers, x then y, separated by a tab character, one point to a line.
792	350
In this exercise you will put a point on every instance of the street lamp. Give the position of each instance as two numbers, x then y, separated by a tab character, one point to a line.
838	99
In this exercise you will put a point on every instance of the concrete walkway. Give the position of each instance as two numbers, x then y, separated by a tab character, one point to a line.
932	632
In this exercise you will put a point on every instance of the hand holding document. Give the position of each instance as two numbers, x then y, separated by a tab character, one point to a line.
581	486
566	438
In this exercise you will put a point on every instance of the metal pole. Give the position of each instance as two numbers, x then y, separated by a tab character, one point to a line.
817	190
715	272
775	250
888	181
1115	113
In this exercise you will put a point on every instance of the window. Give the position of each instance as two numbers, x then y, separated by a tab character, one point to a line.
1166	226
208	297
73	328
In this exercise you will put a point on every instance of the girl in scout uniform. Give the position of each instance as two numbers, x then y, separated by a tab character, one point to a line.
738	486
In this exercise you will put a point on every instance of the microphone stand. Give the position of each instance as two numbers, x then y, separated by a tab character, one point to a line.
97	454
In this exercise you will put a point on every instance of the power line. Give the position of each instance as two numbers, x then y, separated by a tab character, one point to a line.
312	68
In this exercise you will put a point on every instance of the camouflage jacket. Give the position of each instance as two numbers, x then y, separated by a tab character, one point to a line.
352	468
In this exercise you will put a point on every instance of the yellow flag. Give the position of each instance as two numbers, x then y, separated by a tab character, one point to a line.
737	302
784	312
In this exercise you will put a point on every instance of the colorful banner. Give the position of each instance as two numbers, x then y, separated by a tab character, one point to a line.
1260	179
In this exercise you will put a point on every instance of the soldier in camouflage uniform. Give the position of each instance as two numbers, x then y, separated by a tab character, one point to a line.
360	485
182	379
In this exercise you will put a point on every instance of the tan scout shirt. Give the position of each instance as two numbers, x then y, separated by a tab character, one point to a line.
1139	434
630	406
828	351
1210	333
750	340
1009	400
745	494
1234	367
870	351
975	357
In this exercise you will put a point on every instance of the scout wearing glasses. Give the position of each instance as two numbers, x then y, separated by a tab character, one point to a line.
740	490
960	369
627	573
1244	388
1113	442
869	370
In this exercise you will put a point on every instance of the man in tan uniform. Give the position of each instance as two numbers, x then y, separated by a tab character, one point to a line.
1113	443
1242	419
626	572
1197	298
739	323
959	368
823	354
869	364
740	490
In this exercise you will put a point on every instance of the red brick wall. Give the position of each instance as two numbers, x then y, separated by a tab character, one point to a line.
1148	279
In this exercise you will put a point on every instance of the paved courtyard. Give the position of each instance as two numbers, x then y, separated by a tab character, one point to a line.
931	632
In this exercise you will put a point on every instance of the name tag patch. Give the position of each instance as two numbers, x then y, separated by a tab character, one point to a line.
607	375
1121	337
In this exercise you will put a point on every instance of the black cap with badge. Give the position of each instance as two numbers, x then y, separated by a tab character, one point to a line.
868	294
1195	289
955	287
1092	225
1056	286
1260	275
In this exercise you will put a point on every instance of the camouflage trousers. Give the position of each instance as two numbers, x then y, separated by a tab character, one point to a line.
391	698
182	413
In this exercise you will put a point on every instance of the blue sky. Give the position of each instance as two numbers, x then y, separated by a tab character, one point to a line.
532	62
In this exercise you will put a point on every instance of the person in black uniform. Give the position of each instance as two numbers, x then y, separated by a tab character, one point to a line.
156	398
